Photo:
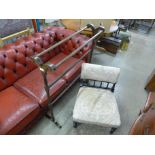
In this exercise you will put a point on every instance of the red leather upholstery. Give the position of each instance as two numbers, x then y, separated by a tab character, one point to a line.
21	105
145	123
72	73
33	86
15	107
53	29
15	59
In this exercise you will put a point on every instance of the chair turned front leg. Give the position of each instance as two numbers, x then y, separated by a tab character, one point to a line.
112	130
75	124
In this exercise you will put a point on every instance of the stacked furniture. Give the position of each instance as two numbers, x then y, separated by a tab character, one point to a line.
107	42
22	95
110	44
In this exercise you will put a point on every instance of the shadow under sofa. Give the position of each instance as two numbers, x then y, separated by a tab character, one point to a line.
22	95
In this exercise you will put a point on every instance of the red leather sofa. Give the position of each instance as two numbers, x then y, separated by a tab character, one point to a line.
22	94
145	123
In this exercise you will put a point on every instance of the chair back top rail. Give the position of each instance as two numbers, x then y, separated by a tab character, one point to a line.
55	66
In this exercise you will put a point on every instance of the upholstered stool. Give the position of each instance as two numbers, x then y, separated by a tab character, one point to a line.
96	103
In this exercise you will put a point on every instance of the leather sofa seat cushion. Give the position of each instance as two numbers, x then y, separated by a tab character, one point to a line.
71	74
33	85
15	107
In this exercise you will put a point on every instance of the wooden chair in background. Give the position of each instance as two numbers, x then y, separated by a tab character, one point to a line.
14	36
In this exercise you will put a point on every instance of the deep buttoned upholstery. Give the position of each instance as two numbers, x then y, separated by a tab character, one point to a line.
22	93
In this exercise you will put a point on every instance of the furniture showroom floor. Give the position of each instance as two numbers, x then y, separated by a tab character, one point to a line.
136	65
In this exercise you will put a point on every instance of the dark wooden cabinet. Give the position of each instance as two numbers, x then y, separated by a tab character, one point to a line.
110	44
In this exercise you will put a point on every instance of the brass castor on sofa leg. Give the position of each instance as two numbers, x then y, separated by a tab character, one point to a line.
112	130
50	115
75	124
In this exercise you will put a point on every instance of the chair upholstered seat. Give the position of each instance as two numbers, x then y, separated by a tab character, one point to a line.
100	73
96	106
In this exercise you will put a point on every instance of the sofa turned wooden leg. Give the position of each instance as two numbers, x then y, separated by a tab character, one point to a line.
112	130
75	124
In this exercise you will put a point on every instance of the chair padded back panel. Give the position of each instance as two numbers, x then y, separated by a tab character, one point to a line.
100	73
71	44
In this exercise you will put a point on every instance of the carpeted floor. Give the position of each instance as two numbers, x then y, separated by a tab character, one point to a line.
136	65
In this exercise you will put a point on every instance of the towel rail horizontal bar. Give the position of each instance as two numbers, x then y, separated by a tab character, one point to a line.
55	66
62	41
72	66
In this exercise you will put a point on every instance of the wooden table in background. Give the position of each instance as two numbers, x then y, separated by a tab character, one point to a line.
75	24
